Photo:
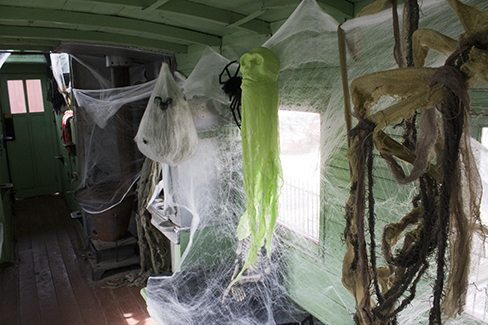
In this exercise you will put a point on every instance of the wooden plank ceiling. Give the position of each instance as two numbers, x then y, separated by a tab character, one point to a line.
167	26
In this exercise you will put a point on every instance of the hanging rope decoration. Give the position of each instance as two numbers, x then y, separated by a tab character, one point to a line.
446	210
231	85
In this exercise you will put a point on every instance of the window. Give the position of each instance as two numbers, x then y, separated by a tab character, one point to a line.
34	96
484	137
16	96
299	208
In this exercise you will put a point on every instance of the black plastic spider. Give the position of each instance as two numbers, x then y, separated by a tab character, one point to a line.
232	88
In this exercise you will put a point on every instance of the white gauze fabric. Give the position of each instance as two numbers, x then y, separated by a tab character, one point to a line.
60	67
167	132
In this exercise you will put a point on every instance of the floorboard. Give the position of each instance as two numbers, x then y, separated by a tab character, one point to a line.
49	284
66	298
48	302
28	303
9	288
110	307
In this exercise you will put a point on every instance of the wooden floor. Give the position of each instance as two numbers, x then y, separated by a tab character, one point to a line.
47	284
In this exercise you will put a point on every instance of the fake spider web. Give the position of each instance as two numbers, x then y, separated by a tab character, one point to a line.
208	186
106	177
108	119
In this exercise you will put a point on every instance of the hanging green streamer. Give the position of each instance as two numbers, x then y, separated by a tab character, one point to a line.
261	150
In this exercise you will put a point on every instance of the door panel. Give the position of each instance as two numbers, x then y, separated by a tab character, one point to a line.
46	165
20	155
34	169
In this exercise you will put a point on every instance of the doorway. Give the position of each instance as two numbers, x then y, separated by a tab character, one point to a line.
29	135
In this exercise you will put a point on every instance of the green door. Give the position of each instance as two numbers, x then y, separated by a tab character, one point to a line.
30	136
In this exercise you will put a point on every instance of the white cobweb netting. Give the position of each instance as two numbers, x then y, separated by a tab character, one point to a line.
107	120
307	251
204	80
103	104
109	160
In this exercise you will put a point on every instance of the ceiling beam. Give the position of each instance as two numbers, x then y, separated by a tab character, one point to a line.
343	6
129	3
116	25
247	18
222	16
19	47
23	42
339	9
197	10
20	44
155	4
39	33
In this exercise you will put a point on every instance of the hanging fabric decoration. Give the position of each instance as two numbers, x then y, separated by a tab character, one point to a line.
167	133
59	87
260	150
66	129
445	214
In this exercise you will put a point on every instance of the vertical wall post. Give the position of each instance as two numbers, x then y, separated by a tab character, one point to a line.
345	82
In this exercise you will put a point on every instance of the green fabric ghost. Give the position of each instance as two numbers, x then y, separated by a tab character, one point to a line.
261	150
